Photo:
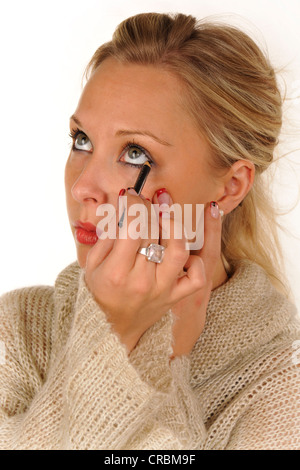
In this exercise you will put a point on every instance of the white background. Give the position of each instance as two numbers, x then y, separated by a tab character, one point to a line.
45	47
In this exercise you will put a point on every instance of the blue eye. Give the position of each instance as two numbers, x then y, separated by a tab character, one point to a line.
81	141
134	155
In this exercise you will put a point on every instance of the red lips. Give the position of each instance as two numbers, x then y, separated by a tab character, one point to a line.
85	233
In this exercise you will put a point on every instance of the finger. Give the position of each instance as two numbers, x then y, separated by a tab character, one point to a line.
108	233
211	251
133	221
151	236
194	279
171	236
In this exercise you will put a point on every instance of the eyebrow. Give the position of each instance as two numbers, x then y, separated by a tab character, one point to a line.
127	132
75	119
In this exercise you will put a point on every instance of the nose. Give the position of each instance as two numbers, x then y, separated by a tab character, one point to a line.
90	185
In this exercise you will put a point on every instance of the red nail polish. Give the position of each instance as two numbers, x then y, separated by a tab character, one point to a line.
122	192
163	196
160	191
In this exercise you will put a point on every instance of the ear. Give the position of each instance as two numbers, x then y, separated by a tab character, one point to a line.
237	182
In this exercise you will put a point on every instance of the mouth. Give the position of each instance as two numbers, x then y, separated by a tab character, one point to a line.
85	233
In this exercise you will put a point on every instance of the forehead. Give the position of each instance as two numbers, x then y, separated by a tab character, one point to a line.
139	94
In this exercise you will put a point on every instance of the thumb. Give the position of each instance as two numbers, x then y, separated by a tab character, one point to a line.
169	216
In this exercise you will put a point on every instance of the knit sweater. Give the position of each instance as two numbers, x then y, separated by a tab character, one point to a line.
67	381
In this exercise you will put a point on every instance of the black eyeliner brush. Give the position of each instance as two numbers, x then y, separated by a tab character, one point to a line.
138	186
141	179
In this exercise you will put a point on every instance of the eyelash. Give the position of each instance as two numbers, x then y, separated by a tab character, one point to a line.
75	132
127	146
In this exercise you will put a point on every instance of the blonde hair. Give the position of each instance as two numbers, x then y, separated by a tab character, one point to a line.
232	94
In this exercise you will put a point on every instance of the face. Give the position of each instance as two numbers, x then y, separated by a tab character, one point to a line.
129	114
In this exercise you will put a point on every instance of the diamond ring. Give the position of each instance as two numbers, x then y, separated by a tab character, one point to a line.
153	252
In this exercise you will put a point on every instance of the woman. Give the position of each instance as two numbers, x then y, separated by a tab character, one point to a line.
195	352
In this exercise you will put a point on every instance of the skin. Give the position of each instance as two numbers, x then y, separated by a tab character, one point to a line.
144	99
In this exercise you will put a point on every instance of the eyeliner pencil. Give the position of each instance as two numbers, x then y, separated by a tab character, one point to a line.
141	179
138	186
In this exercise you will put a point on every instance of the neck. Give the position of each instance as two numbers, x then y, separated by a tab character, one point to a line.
220	276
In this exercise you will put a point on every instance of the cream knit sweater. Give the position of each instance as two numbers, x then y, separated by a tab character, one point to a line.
66	381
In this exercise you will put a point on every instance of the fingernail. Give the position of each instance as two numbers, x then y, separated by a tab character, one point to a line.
121	207
163	196
214	210
132	191
121	193
164	200
164	211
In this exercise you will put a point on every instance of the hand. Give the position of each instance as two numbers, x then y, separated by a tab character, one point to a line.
133	292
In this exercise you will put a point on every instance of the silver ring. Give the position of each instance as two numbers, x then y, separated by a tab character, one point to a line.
153	252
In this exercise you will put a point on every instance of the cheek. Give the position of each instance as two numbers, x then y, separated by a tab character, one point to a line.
192	185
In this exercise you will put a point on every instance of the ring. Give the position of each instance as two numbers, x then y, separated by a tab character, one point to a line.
153	252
